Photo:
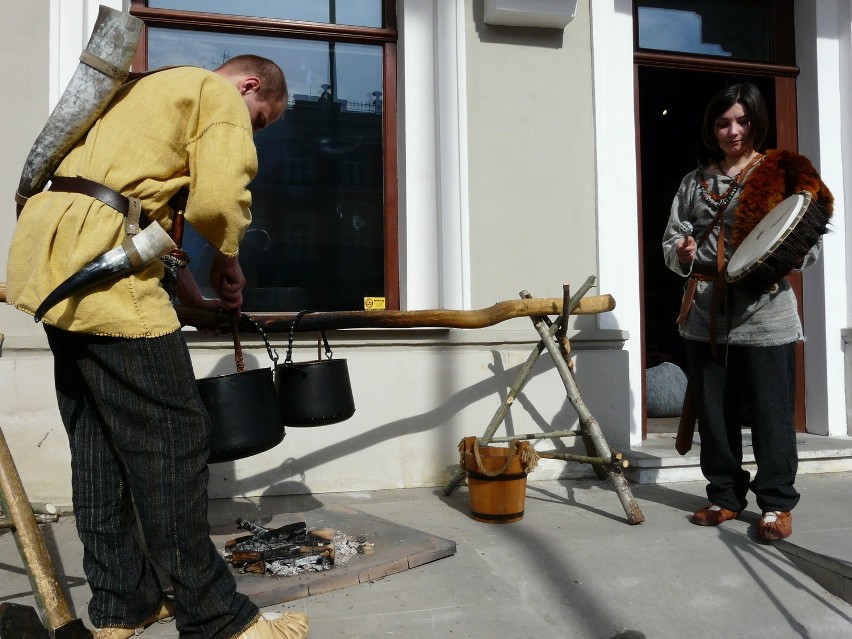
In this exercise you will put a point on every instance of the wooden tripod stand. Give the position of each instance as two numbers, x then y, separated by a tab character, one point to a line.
607	463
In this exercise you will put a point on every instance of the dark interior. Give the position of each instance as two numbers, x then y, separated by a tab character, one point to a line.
671	109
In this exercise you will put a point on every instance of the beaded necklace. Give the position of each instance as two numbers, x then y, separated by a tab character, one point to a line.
713	200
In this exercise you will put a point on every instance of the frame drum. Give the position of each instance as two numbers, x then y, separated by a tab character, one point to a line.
778	244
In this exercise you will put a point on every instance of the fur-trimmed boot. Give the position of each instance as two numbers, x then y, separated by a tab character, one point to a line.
291	625
166	610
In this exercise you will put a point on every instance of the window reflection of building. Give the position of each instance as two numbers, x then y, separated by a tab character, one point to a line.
320	189
322	202
726	28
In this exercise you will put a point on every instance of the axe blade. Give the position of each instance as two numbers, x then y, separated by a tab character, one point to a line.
21	622
74	629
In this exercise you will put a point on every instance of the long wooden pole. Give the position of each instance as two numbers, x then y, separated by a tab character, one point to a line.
436	318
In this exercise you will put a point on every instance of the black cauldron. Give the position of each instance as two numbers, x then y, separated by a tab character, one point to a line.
243	408
313	393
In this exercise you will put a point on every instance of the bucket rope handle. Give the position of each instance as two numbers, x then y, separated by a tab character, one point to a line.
529	458
513	450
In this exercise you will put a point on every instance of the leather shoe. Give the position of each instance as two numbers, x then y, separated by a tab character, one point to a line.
713	515
292	625
166	610
774	525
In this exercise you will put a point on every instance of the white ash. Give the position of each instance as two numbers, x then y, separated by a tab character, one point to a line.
344	548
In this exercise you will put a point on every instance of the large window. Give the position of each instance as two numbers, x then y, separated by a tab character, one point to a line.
324	230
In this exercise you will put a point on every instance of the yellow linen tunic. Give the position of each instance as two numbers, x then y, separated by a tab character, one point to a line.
175	128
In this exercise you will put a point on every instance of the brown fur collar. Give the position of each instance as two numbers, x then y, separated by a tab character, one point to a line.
780	175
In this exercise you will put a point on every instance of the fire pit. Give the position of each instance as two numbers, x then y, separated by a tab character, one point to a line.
382	548
291	549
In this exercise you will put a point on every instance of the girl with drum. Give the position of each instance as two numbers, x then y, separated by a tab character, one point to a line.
740	339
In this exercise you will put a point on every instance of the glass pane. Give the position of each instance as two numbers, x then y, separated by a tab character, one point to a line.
317	235
709	27
360	13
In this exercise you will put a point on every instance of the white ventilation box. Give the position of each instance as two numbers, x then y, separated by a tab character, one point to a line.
555	14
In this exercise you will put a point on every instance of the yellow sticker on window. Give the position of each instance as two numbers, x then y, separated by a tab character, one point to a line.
374	303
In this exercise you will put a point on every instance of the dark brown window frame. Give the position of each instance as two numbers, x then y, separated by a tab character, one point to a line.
386	36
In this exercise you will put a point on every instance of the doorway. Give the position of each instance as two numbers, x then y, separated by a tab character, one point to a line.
670	111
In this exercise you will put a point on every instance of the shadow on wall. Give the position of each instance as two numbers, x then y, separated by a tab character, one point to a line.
289	477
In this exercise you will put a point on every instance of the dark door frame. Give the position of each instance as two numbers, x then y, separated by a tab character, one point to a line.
786	137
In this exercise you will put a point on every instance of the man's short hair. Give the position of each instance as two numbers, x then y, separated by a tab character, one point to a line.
273	82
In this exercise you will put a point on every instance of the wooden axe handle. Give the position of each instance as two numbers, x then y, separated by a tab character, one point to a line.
48	593
686	426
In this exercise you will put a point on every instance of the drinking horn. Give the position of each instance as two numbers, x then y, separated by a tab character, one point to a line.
104	65
135	252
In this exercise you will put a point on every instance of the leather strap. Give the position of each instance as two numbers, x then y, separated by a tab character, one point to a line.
720	282
108	196
99	64
689	294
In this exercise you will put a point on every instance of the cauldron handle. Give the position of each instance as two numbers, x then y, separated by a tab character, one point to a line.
238	351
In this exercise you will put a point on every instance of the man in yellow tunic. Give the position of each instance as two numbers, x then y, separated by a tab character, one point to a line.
138	432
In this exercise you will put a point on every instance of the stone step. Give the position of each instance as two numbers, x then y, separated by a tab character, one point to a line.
656	461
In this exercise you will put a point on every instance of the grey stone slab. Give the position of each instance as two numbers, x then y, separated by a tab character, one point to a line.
397	548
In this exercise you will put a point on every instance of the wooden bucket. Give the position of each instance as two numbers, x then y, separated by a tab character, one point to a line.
496	480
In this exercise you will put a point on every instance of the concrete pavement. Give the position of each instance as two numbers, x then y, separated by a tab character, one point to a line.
572	567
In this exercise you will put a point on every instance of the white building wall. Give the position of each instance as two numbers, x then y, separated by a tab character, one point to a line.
518	171
417	392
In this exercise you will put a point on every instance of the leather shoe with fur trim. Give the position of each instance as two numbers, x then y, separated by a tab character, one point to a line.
166	610
713	515
292	625
774	525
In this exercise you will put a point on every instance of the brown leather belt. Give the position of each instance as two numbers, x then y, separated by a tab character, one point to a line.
108	196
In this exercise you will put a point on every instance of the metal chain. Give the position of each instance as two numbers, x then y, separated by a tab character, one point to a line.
273	354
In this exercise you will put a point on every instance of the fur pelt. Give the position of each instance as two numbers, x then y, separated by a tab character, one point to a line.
780	175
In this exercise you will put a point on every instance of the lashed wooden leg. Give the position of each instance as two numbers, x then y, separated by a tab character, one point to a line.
588	424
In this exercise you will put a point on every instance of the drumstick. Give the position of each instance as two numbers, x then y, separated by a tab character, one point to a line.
686	229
